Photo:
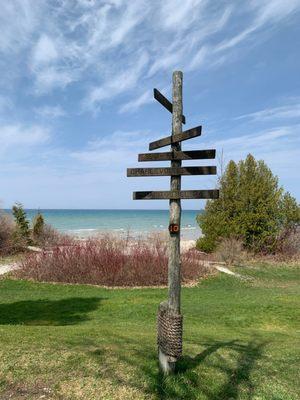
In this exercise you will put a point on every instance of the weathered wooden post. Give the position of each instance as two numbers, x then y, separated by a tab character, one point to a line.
169	321
171	313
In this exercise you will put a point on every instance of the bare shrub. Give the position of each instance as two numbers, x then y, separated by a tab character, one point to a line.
7	228
110	262
289	247
230	251
49	237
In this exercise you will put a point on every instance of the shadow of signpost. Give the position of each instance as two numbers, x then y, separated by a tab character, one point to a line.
48	312
192	376
237	374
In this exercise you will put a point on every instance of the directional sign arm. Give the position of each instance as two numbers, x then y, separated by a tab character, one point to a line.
165	102
178	155
171	171
189	134
182	194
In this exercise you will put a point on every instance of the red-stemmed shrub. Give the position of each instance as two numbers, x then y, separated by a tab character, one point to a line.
109	262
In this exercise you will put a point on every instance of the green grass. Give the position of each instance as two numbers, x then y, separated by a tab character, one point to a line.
83	342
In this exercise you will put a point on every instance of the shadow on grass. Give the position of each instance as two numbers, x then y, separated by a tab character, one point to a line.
68	311
237	373
221	371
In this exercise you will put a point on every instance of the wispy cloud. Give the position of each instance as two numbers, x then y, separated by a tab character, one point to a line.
120	83
251	142
118	148
102	57
264	14
19	20
50	112
99	42
135	104
18	137
291	111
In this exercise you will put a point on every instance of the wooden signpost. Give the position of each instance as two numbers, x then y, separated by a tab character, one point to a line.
170	319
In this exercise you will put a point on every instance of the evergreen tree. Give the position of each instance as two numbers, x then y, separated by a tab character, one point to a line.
290	213
38	226
22	232
251	207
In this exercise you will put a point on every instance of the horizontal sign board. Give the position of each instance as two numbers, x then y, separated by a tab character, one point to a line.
178	155
176	195
180	137
171	171
165	102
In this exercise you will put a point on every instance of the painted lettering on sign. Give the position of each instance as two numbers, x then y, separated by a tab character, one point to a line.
173	228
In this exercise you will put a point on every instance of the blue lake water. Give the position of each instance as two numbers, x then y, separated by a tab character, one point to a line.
85	223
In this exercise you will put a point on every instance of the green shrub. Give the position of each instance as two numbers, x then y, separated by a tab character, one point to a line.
22	230
251	206
38	226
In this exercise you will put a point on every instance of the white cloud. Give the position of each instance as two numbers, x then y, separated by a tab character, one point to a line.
279	147
51	78
177	12
97	42
120	83
257	140
17	137
115	151
18	20
266	13
199	58
135	104
44	52
283	112
50	112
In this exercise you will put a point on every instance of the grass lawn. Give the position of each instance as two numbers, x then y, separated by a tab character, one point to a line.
83	342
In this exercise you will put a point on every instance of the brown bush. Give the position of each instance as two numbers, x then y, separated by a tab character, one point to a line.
230	251
49	237
7	227
109	262
289	246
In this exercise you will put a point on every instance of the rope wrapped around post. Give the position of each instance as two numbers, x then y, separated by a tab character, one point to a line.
169	331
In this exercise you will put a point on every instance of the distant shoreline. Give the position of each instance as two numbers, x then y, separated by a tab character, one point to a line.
84	223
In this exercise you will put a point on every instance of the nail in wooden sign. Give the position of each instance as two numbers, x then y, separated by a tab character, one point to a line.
189	134
176	194
165	102
178	155
171	171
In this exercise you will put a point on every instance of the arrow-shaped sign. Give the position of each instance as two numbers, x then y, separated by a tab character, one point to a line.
171	171
165	102
178	155
176	194
189	134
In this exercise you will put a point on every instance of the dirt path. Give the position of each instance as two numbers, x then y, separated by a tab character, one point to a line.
7	267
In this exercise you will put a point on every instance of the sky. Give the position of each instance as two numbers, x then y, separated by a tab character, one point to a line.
76	94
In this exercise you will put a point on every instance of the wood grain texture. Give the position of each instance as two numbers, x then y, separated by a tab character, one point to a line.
178	155
176	138
179	194
171	171
165	102
174	264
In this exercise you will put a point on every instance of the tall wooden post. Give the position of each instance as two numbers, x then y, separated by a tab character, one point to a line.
170	312
169	319
175	205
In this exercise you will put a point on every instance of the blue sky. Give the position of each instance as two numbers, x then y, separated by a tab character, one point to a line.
76	87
